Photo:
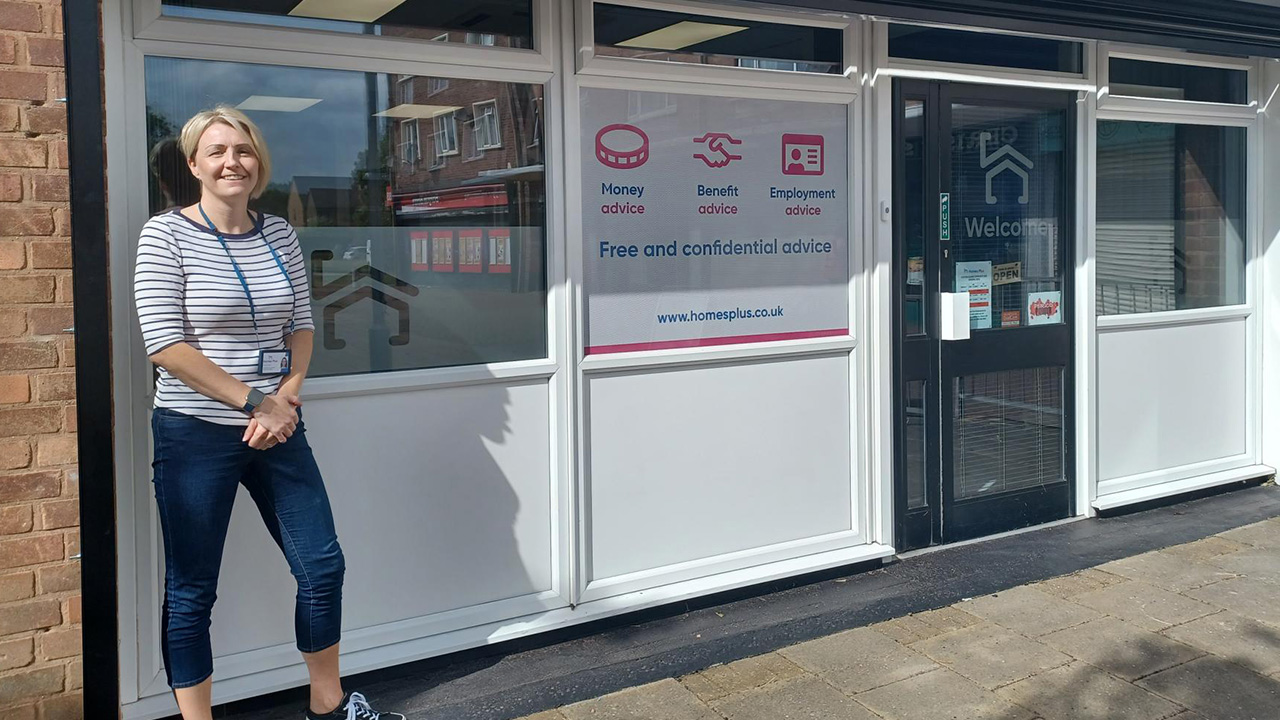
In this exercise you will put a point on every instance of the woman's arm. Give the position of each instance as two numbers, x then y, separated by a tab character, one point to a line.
199	373
299	343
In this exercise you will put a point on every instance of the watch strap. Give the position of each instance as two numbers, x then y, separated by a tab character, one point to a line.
252	402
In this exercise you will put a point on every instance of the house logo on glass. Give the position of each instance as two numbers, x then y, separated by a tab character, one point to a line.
1002	160
715	143
375	290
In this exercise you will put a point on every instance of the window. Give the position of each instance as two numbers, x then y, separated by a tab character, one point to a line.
911	42
407	269
508	23
1171	216
487	133
446	134
1168	81
785	65
636	32
406	90
410	150
437	85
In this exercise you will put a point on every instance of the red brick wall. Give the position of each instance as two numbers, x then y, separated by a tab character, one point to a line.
40	667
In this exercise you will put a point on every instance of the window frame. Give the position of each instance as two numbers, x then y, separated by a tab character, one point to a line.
1196	108
149	23
415	144
848	80
436	134
475	125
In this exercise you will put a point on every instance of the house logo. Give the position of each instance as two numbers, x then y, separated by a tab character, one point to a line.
1005	159
376	289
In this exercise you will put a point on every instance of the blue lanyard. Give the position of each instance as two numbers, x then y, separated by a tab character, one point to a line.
253	311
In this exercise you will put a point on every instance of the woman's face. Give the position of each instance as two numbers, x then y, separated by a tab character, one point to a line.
225	163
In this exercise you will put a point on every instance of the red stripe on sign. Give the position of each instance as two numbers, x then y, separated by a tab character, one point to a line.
709	342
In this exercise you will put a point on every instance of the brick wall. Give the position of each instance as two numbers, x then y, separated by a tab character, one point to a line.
40	667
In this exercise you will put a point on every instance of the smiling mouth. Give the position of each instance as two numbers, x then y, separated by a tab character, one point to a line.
235	177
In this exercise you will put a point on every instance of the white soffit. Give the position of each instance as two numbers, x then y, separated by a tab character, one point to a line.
365	11
681	35
276	103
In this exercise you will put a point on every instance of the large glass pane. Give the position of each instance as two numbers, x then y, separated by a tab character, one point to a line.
637	32
501	23
1171	213
419	203
1008	433
913	230
993	49
1007	206
1168	81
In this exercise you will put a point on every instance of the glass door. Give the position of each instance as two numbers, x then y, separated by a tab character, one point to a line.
983	180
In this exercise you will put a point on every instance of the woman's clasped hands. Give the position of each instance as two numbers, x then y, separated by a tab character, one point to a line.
273	422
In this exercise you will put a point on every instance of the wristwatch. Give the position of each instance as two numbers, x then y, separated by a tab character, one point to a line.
253	401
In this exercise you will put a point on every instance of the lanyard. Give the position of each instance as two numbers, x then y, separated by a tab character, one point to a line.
244	284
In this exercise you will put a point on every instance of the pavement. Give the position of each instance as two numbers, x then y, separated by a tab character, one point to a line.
1186	632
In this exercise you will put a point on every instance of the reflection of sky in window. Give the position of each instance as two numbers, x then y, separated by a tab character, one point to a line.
289	21
325	139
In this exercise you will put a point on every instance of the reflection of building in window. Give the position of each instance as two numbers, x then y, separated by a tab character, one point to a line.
316	201
410	148
644	105
487	133
787	65
445	136
437	85
406	89
480	38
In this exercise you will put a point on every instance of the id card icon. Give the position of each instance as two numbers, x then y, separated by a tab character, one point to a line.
803	154
275	362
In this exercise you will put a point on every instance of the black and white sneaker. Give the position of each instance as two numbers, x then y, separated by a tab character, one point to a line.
354	707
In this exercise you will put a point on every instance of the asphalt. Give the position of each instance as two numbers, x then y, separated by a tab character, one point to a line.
526	676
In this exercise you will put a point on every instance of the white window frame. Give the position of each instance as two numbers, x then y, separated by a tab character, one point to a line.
404	88
985	74
412	147
436	85
1226	112
134	30
847	81
151	24
451	120
476	114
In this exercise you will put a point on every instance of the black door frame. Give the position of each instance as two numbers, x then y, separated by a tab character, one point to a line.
938	363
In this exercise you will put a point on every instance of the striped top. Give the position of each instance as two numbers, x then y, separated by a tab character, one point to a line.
186	290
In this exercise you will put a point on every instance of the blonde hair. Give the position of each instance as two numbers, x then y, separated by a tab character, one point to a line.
227	115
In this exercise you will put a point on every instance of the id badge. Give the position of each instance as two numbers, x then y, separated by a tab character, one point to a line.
274	362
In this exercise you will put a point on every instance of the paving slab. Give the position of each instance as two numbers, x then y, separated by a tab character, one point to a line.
1218	689
1121	648
1265	534
749	673
1206	549
1068	586
1244	596
858	660
948	619
1166	571
1233	637
907	630
1029	611
663	700
990	655
1080	691
940	695
1257	563
806	698
1145	605
548	715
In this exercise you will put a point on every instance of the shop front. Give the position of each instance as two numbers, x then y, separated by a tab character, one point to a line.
619	305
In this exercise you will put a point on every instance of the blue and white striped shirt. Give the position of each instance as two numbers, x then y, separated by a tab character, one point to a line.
186	291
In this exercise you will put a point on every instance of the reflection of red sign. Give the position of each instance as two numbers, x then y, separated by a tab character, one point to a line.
622	147
499	250
1043	308
716	144
469	243
452	201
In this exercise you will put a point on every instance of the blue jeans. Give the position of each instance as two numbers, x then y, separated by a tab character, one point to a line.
197	469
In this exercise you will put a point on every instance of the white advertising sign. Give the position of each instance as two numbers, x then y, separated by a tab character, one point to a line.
1044	308
709	221
975	278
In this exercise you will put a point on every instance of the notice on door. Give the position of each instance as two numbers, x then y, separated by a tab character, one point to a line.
1044	308
710	221
975	277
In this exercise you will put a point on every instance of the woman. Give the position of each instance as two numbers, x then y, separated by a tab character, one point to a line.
222	301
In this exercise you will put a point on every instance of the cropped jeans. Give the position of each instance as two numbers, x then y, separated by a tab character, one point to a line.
197	469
